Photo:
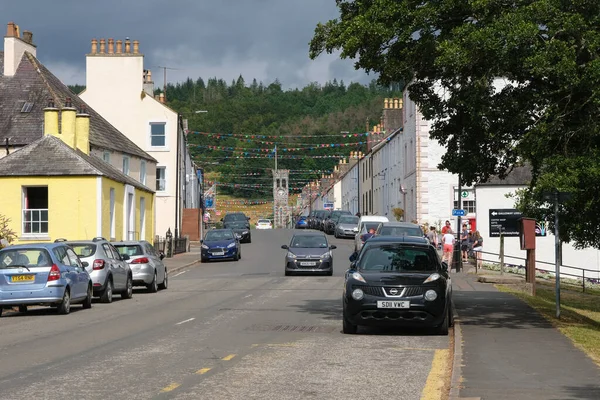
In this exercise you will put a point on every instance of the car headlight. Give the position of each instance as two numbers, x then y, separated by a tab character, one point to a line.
326	255
357	294
205	247
430	295
291	255
358	277
244	233
230	245
433	277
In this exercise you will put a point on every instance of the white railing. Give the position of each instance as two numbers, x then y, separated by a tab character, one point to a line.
35	221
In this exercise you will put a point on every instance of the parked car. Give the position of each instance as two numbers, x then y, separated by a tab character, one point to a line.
109	270
264	224
219	244
308	252
302	223
240	224
146	264
332	221
47	274
346	227
366	223
399	229
397	281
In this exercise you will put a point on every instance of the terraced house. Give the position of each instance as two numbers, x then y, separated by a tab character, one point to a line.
65	171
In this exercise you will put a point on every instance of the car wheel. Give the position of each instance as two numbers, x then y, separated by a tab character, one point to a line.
1	309
335	235
107	295
236	257
65	305
87	303
249	240
450	316
153	287
165	284
128	293
443	328
203	260
22	309
348	327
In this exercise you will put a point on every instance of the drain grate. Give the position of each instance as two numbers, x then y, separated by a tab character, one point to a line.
294	328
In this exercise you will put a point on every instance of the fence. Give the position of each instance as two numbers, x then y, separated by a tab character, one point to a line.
180	245
578	274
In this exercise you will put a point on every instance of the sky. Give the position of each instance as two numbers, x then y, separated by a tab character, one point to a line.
262	39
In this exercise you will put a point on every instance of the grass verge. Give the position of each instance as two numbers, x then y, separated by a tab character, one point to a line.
579	317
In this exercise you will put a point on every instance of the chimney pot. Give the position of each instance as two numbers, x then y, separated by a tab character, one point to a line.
68	102
119	47
94	46
11	29
28	37
386	103
136	47
111	46
102	46
51	103
127	46
162	97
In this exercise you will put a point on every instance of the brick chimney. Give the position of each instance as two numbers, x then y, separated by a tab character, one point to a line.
148	83
15	47
392	115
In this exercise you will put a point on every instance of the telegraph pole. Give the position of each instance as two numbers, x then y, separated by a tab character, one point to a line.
165	79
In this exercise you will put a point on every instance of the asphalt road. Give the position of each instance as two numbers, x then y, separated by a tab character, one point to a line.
223	330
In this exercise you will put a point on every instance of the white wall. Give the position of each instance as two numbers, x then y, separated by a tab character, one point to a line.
349	190
494	197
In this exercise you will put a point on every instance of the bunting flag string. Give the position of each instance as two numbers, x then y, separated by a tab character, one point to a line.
324	171
199	158
301	144
284	149
246	136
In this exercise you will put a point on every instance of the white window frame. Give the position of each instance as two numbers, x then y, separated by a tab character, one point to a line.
142	218
129	215
158	148
34	235
164	168
143	172
106	156
126	162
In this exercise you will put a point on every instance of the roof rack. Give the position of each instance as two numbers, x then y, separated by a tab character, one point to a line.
60	240
98	238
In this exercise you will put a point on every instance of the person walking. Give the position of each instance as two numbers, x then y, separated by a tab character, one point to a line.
464	242
433	237
448	241
478	248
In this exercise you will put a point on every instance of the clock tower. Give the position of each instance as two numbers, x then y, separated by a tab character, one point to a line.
281	210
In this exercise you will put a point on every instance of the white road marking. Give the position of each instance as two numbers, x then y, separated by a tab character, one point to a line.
245	297
181	273
187	320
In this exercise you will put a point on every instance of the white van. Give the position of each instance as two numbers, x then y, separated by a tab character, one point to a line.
365	223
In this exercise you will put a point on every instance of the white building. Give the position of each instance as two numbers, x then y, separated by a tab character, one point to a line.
349	189
121	90
493	196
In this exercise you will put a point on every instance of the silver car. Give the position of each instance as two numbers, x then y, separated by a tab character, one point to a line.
347	227
146	264
109	271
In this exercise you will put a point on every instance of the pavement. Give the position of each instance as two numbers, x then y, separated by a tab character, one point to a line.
506	350
184	260
222	330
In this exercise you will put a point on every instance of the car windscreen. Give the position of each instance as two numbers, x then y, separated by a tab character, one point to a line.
236	224
129	249
235	217
13	258
398	258
348	220
218	235
312	241
264	221
83	250
400	231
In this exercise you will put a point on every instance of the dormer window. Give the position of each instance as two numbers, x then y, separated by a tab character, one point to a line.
27	106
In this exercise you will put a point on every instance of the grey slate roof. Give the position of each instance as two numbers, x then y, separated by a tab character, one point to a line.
50	156
34	83
519	176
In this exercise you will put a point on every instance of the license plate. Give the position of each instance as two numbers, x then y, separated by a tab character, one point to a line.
393	304
218	253
308	263
23	278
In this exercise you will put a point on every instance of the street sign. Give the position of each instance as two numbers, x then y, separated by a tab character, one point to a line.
464	194
458	213
505	219
328	206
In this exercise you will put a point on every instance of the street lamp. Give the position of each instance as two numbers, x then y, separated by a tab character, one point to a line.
403	191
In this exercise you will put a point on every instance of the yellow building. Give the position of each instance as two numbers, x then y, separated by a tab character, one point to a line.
53	188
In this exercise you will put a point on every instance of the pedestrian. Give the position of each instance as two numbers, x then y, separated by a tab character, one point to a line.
464	242
446	227
448	241
478	249
368	235
433	237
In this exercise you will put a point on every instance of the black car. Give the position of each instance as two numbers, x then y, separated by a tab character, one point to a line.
240	224
332	220
397	281
308	252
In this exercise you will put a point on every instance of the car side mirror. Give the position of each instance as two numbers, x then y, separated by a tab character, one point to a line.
201	241
333	246
125	257
221	219
85	264
353	265
162	255
444	266
285	247
353	257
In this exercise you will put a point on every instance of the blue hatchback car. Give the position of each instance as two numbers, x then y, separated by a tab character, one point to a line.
48	274
302	223
220	244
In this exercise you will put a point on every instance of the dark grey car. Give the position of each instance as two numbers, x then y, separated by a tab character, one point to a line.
309	252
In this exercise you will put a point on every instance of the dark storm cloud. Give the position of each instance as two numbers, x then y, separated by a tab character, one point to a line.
262	39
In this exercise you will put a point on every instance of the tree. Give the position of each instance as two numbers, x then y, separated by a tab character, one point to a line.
7	235
544	111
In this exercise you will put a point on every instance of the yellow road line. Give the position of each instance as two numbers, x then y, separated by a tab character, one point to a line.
412	348
203	371
227	358
434	387
170	388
